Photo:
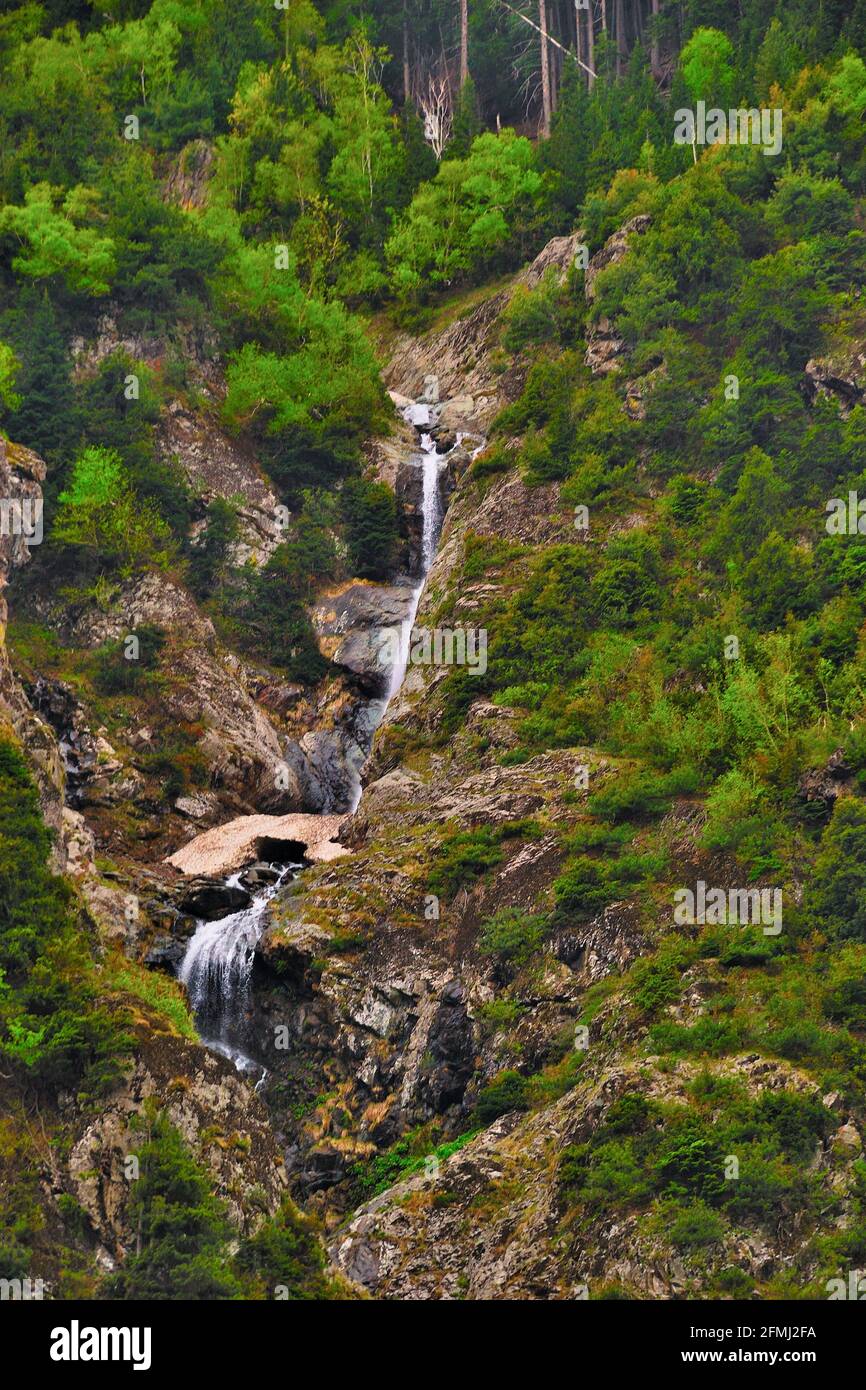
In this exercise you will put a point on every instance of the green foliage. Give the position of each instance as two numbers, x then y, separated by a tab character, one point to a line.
54	1031
55	243
286	1255
707	66
474	216
511	935
100	514
276	625
45	415
9	368
507	1091
797	1122
110	421
657	982
465	855
407	1156
696	1226
836	895
211	558
642	795
542	315
182	1228
370	516
117	672
588	884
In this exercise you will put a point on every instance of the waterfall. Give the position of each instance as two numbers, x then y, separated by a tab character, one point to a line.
218	964
217	969
431	517
431	524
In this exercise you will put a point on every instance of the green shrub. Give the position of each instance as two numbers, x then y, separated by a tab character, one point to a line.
691	1162
369	512
798	1122
54	1030
696	1227
836	895
511	935
286	1253
117	673
507	1091
642	794
657	981
628	1115
465	855
182	1228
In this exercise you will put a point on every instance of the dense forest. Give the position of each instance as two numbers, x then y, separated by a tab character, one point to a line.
240	213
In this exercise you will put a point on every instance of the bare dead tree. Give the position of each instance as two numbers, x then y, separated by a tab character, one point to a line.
538	28
436	107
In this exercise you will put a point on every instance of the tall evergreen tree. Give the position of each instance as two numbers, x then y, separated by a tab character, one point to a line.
47	418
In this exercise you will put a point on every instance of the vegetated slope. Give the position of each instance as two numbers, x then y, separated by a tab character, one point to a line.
681	1104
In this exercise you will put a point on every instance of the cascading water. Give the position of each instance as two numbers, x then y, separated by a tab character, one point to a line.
217	970
431	517
431	523
218	964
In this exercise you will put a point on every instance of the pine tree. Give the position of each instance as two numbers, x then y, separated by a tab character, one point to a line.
182	1228
47	418
466	123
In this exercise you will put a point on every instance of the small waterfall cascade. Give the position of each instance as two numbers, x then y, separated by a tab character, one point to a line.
218	965
431	463
431	518
217	970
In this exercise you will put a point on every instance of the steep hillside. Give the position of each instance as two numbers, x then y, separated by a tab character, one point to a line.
432	651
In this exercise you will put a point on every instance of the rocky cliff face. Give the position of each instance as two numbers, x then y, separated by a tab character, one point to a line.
21	475
77	1159
492	1221
380	984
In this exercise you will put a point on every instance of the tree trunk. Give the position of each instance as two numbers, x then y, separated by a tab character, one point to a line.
604	16
553	60
545	68
621	48
590	46
464	42
407	84
654	44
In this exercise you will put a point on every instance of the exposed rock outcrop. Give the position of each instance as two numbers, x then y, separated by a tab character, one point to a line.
219	1117
21	476
415	1240
603	347
228	847
455	368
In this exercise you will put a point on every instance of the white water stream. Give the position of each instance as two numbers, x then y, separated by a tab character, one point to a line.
431	524
217	970
218	965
